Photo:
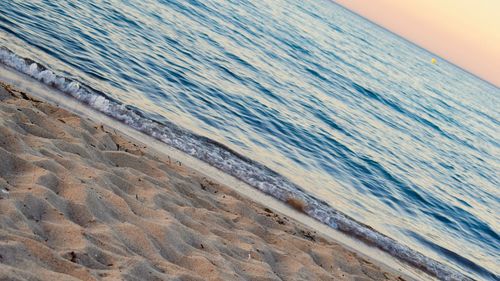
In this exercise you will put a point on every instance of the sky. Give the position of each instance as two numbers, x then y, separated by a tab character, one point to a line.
465	32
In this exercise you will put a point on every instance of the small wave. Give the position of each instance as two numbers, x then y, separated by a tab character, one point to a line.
227	160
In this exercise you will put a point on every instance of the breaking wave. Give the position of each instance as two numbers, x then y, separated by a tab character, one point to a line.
227	160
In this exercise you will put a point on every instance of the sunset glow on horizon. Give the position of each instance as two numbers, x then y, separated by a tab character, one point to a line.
465	32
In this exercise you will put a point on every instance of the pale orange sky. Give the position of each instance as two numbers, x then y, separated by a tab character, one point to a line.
465	32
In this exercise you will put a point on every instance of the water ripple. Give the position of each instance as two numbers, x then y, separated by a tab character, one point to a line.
355	116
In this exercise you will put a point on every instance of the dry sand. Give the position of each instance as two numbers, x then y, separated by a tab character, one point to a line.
80	201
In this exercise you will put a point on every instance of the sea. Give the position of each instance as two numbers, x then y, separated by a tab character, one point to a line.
299	99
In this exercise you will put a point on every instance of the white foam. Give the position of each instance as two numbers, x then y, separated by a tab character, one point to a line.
230	162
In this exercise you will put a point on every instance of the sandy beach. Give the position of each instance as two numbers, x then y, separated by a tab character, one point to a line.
82	201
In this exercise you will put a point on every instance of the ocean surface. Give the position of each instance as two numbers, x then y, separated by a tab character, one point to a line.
297	98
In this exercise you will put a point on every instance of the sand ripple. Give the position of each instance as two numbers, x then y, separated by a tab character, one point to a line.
80	201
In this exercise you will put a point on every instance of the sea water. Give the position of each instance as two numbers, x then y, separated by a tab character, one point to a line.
300	99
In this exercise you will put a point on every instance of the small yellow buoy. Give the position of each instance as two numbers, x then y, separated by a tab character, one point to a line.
433	61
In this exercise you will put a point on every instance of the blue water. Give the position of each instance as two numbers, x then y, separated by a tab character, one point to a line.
307	99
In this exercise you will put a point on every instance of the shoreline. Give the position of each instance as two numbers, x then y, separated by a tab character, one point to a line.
87	101
280	218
